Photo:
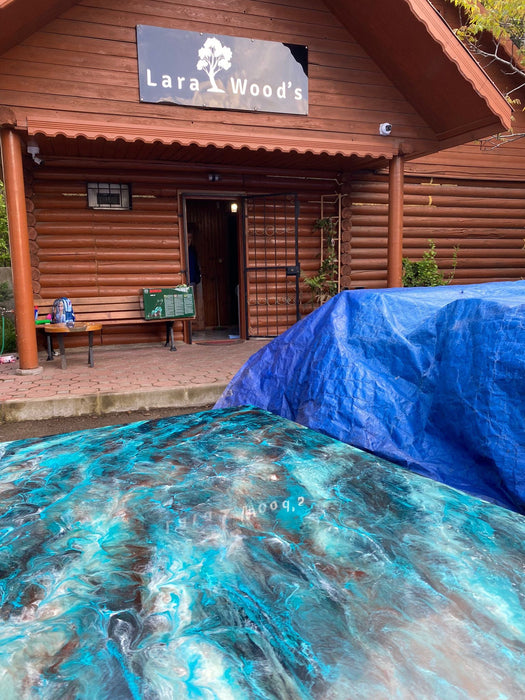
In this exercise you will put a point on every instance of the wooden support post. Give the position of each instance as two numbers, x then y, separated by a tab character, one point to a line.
395	222
19	248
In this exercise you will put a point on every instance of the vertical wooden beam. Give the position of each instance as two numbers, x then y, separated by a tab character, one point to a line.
19	248
395	222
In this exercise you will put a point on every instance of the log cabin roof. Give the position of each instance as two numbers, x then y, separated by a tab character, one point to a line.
407	39
417	50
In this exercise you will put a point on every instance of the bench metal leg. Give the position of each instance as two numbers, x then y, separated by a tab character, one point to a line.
49	347
90	349
63	362
169	336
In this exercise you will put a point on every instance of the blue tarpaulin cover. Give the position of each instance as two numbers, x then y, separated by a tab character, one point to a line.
430	378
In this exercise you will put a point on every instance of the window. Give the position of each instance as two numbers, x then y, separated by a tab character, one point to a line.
105	195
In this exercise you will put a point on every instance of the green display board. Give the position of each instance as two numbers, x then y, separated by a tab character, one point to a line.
168	303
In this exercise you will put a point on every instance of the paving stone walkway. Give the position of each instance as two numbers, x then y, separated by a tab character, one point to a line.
123	378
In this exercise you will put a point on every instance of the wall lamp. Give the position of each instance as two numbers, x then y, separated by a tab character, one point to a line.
213	177
33	149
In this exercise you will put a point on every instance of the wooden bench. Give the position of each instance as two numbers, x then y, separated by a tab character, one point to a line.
110	311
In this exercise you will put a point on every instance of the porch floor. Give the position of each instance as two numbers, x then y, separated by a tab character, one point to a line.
124	378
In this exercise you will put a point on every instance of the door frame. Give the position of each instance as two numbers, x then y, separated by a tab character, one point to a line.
236	197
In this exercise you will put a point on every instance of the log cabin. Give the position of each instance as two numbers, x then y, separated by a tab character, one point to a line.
124	126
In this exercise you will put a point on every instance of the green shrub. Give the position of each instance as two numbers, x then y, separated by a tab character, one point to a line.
7	335
425	272
5	293
7	326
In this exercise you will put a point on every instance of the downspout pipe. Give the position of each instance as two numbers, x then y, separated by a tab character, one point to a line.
19	249
396	177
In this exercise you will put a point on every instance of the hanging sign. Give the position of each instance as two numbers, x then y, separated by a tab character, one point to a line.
221	72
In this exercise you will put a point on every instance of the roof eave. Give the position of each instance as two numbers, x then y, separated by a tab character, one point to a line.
467	65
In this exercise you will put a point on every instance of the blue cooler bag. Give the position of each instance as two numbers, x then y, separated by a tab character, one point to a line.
62	311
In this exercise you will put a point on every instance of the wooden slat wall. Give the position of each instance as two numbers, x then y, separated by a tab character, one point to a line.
475	161
486	220
83	65
81	252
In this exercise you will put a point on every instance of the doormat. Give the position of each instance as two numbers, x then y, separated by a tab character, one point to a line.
220	341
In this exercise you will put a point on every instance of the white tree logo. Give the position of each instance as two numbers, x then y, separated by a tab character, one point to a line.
213	58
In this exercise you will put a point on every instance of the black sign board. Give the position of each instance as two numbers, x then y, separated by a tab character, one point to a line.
221	72
172	302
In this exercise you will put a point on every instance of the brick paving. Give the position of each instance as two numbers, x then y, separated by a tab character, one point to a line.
120	371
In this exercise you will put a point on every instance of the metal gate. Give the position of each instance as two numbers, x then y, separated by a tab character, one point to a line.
271	263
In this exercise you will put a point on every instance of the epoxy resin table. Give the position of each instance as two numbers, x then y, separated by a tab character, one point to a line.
233	554
61	329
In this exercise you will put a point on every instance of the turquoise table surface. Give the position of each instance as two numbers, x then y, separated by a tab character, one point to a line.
233	554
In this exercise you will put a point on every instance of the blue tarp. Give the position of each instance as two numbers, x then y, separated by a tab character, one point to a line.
432	379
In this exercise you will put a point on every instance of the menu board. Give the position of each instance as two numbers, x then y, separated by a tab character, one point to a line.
168	303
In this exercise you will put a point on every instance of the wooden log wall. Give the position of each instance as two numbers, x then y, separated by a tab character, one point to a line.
82	252
485	219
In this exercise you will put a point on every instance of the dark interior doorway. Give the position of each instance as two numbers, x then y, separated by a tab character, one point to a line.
215	240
